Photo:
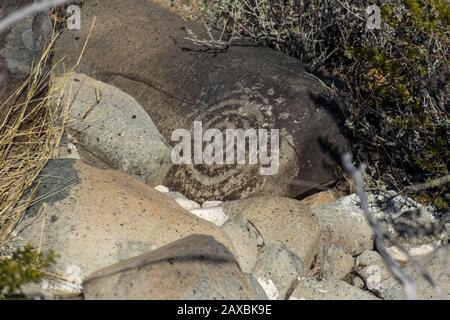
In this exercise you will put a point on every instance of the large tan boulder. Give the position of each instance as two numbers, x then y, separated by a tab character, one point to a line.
437	268
93	218
193	268
281	221
345	225
312	289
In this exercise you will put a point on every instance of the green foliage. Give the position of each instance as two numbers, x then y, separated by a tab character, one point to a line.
398	76
25	266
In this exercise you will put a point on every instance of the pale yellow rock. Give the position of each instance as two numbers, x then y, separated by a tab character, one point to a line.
319	199
99	217
280	221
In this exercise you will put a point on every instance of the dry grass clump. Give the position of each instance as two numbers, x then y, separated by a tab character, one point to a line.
28	136
31	132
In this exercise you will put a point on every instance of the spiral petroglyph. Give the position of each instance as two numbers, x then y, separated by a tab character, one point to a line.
231	181
242	88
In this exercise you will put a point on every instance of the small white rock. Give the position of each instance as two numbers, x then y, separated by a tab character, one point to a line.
162	189
419	251
211	204
214	215
422	250
397	254
269	287
72	151
187	204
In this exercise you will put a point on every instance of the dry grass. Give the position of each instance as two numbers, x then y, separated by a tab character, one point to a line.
28	136
31	134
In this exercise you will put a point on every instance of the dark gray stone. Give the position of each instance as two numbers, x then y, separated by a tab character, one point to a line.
54	183
243	87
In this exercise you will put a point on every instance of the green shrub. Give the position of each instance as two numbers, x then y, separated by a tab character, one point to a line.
398	76
25	266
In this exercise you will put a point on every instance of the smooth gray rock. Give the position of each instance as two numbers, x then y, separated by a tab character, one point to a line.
111	125
371	268
15	57
193	268
26	41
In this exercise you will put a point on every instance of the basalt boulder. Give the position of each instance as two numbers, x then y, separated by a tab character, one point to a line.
143	49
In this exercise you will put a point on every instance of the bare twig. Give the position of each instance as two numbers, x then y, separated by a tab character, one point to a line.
408	284
429	185
29	10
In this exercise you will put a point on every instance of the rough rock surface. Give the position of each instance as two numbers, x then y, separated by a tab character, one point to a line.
111	125
184	6
25	42
194	268
280	221
344	224
93	218
371	269
437	267
243	87
319	199
337	263
312	289
279	266
246	240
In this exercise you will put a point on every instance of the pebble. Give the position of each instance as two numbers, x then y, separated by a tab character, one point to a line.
214	215
162	189
211	204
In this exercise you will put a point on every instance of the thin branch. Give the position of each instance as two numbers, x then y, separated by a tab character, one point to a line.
408	284
27	11
429	185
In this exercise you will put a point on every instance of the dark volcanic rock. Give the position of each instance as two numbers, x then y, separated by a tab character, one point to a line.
141	48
